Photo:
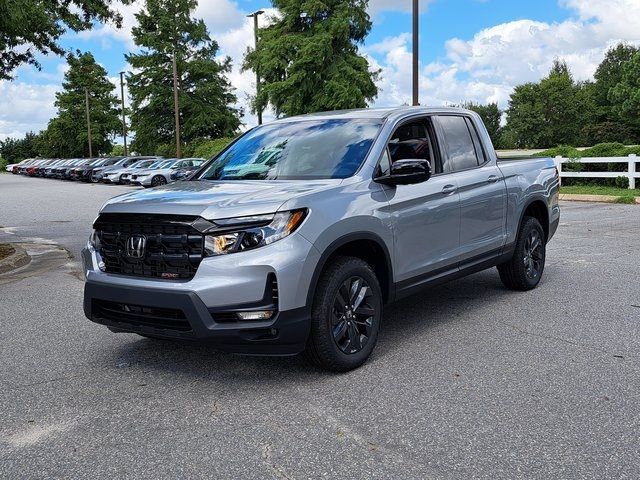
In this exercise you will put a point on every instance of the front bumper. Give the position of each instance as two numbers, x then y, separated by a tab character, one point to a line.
285	334
223	284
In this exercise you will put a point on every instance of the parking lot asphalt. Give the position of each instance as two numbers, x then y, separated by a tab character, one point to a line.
469	380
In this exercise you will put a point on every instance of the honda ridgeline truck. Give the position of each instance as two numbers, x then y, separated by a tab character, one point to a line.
297	234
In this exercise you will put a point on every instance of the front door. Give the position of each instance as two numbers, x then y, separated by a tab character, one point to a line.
425	216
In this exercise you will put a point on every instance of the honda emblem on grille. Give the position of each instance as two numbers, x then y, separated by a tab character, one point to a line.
136	246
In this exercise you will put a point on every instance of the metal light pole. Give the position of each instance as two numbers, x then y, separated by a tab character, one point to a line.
124	122
255	38
416	13
86	104
176	105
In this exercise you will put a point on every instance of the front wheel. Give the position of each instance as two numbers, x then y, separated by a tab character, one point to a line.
158	180
346	315
524	270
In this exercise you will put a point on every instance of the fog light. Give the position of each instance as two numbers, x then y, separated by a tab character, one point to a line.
102	266
257	315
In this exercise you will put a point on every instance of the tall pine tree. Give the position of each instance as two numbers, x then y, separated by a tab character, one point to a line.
205	94
308	57
66	134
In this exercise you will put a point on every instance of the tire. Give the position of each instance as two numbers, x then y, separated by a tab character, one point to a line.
158	180
525	269
342	338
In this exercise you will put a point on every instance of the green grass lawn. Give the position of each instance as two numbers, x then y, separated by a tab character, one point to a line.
624	194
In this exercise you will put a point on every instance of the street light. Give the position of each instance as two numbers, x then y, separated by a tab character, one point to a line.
416	14
255	38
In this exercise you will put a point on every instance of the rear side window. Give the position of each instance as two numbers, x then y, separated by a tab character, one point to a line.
476	141
458	144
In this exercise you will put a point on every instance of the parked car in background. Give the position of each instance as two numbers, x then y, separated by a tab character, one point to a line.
297	234
98	173
115	175
13	167
22	167
91	174
161	174
50	169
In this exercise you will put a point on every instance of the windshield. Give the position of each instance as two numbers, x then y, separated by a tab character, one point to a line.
309	149
142	164
163	164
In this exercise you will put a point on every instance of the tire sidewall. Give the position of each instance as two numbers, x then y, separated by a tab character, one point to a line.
321	328
162	181
529	225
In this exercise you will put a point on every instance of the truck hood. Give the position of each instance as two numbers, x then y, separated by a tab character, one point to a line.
216	199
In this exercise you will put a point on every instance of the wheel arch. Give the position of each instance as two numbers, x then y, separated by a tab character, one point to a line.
537	208
366	246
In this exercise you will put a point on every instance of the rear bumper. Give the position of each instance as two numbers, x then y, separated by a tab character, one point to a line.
184	316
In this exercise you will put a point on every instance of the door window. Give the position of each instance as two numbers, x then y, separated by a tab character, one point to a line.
460	151
411	141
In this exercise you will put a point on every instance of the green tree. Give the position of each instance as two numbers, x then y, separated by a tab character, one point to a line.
607	125
205	95
524	118
548	113
30	26
308	57
66	134
17	149
491	116
625	97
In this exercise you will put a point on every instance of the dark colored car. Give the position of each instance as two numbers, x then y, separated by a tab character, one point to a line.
90	172
76	172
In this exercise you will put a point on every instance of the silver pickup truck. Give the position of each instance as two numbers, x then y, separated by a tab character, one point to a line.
296	235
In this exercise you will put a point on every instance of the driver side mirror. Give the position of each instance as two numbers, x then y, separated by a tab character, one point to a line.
406	172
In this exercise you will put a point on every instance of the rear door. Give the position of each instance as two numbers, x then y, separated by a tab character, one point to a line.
480	185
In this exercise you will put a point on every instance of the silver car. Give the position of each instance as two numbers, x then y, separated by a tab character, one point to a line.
296	235
120	175
108	174
161	175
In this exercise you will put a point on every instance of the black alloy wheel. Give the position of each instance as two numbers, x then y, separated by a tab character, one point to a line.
524	270
345	315
353	315
533	255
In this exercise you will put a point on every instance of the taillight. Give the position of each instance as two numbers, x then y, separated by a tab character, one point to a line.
558	176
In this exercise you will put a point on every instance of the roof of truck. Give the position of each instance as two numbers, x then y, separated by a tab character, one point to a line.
379	113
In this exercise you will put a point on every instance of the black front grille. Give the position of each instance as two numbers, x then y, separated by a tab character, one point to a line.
139	315
173	247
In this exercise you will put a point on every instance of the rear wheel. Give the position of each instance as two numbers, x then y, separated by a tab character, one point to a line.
346	315
158	180
524	270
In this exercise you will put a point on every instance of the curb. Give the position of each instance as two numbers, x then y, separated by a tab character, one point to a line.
17	259
591	198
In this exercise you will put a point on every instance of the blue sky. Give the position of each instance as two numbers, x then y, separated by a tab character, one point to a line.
469	49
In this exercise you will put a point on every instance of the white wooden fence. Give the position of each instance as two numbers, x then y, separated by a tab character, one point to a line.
631	172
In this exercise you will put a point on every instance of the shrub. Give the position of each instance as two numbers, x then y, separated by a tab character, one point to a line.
3	164
562	151
604	150
621	182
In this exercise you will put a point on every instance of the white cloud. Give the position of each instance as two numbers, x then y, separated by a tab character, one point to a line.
487	67
25	107
483	68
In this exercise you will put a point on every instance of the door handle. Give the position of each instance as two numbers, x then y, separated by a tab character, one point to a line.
449	189
493	179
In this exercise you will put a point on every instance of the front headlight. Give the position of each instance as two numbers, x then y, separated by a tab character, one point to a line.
247	233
